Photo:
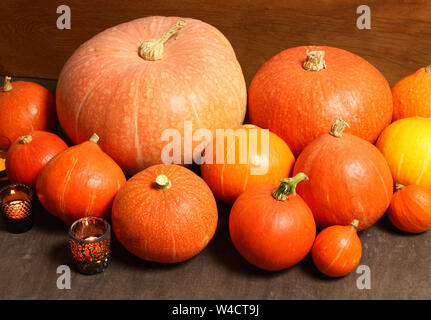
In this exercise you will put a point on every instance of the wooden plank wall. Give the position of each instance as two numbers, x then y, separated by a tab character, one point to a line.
397	43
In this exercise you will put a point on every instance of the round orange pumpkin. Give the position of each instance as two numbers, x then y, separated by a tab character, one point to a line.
299	92
406	146
412	95
251	156
349	179
271	226
133	81
337	250
165	213
28	155
81	181
410	209
25	107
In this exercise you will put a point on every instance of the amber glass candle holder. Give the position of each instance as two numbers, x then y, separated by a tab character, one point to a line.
16	207
90	244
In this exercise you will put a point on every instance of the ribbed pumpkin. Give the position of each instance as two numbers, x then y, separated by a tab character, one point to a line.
251	156
271	226
165	213
349	179
412	95
25	107
30	153
406	145
410	208
337	250
131	82
81	181
299	92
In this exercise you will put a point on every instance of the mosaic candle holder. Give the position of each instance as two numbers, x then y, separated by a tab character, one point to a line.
90	244
16	207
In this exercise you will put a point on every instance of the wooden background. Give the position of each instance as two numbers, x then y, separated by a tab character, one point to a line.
398	43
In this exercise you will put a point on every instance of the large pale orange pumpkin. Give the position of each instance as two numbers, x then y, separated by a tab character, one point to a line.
131	82
299	92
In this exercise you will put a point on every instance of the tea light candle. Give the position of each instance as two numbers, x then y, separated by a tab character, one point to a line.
90	244
15	205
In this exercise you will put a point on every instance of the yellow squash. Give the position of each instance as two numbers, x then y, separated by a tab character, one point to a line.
406	145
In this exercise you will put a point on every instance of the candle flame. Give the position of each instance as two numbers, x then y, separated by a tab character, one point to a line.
12	191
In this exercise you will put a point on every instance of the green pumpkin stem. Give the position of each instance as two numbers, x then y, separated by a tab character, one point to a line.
355	223
288	186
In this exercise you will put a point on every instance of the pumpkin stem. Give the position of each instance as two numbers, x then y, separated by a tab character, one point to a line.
355	223
7	86
398	186
162	182
25	139
338	127
315	61
94	138
288	186
428	69
153	49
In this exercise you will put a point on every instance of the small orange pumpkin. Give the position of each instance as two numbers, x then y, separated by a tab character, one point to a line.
271	226
165	213
349	179
412	95
247	162
337	250
410	208
28	155
80	181
25	107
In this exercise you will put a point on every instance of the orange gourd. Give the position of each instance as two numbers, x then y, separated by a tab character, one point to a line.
410	208
349	179
271	226
80	181
165	213
412	95
133	81
299	92
251	156
25	107
28	155
337	250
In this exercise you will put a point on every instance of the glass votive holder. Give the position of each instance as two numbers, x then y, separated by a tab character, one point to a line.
90	244
16	207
